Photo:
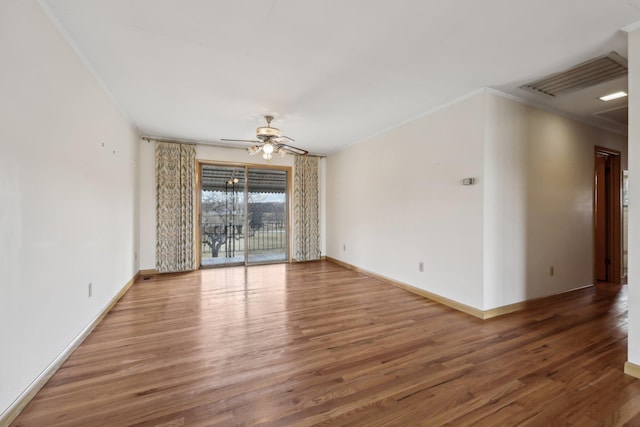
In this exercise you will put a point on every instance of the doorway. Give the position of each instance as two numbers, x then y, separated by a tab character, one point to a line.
243	215
607	216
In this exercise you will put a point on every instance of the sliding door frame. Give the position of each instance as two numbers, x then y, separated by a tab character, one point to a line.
246	166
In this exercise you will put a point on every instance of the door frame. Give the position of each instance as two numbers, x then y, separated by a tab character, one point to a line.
614	203
246	166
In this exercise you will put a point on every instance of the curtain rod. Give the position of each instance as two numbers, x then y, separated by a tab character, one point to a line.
206	143
171	141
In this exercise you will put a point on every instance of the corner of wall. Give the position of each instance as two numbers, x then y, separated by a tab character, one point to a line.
88	66
634	194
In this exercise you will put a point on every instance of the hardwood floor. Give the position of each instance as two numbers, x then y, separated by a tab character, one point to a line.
317	344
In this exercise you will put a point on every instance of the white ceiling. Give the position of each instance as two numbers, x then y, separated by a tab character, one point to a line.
332	71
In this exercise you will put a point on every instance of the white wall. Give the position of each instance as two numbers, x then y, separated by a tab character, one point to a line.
397	200
203	153
538	201
67	196
634	197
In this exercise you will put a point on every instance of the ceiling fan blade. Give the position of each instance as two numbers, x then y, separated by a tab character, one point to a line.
295	150
285	138
240	140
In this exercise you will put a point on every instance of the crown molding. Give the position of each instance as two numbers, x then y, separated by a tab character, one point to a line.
549	109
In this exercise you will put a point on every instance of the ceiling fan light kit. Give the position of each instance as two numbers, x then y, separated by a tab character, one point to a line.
267	148
270	140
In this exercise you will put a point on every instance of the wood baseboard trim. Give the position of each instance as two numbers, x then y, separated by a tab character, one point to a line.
480	314
505	309
148	273
523	305
421	292
23	400
632	369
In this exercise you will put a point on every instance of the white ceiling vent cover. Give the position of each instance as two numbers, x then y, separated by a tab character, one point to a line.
589	73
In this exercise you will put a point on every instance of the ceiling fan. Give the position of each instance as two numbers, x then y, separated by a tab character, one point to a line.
270	141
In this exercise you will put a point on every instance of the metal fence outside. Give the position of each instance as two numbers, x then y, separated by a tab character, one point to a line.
228	240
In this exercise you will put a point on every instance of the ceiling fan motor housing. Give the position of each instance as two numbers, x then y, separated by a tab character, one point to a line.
267	132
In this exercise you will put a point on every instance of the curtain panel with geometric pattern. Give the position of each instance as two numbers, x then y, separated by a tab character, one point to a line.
305	209
175	207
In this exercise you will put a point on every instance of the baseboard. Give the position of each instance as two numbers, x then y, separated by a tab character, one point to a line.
421	292
480	314
23	400
505	309
148	273
632	369
523	305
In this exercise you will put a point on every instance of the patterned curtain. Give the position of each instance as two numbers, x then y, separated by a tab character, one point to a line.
305	209
175	191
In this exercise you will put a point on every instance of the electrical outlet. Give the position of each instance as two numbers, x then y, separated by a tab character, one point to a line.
90	289
421	267
344	247
551	271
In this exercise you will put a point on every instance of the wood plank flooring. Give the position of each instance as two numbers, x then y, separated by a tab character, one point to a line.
317	344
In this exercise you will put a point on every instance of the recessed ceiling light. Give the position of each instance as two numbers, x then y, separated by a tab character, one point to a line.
613	96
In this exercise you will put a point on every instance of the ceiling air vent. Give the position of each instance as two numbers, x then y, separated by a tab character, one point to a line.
589	73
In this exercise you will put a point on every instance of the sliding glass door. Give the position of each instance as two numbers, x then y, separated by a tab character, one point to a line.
243	215
267	240
222	215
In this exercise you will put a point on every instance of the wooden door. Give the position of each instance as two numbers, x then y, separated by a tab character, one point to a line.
607	216
602	259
